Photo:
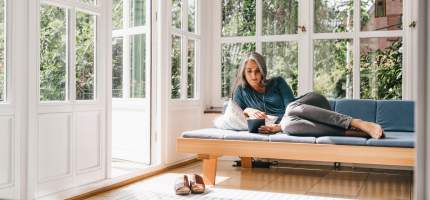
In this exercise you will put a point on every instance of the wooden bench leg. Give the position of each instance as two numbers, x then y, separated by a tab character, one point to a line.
246	162
209	168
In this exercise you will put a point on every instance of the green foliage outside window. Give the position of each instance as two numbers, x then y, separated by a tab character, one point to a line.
332	58
53	53
176	68
381	73
85	54
238	18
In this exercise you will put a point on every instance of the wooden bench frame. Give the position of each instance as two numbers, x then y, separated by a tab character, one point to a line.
210	149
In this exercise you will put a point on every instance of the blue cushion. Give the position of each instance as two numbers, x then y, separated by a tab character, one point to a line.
341	140
395	115
357	108
282	137
244	135
208	133
394	139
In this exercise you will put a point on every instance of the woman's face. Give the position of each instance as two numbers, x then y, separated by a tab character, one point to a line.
252	74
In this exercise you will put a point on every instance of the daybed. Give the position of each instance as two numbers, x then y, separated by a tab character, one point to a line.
396	117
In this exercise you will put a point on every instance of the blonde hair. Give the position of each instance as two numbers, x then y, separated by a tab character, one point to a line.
240	76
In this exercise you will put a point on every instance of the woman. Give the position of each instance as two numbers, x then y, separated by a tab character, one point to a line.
308	115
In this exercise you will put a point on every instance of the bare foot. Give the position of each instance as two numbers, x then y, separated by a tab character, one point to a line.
356	133
373	129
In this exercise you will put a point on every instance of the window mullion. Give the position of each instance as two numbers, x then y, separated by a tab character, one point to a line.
71	90
126	51
259	19
356	52
305	65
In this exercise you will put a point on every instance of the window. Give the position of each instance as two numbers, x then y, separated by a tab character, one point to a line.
241	35
130	44
380	8
184	48
348	58
55	47
3	66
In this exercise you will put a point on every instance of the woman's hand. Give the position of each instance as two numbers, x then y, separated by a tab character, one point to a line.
270	129
254	113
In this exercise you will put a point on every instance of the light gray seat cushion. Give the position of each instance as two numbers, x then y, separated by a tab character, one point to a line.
245	135
394	139
208	133
282	137
341	140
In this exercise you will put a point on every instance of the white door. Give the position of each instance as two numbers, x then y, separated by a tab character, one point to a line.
12	98
131	43
67	95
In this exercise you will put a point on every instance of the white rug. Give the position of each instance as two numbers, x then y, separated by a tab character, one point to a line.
211	194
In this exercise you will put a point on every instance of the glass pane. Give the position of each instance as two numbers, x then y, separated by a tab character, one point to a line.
377	15
2	51
333	16
333	68
176	13
117	14
280	17
238	18
89	1
137	60
176	67
192	12
117	73
231	57
282	60
191	69
85	56
53	53
137	14
381	68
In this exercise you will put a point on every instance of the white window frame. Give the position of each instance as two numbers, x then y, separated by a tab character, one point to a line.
7	87
305	42
126	32
185	36
71	8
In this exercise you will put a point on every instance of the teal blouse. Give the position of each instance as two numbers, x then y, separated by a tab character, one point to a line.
273	101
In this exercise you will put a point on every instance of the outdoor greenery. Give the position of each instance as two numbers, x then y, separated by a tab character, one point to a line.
176	67
53	53
85	55
135	44
380	68
177	41
54	42
117	56
381	72
2	51
191	63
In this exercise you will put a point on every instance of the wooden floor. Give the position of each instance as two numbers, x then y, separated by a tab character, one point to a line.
303	180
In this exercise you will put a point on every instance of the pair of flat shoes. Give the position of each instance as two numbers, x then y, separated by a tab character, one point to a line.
194	184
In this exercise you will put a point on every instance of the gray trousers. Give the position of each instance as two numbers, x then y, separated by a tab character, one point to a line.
310	115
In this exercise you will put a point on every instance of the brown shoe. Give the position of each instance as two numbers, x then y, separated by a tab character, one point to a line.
182	186
197	185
